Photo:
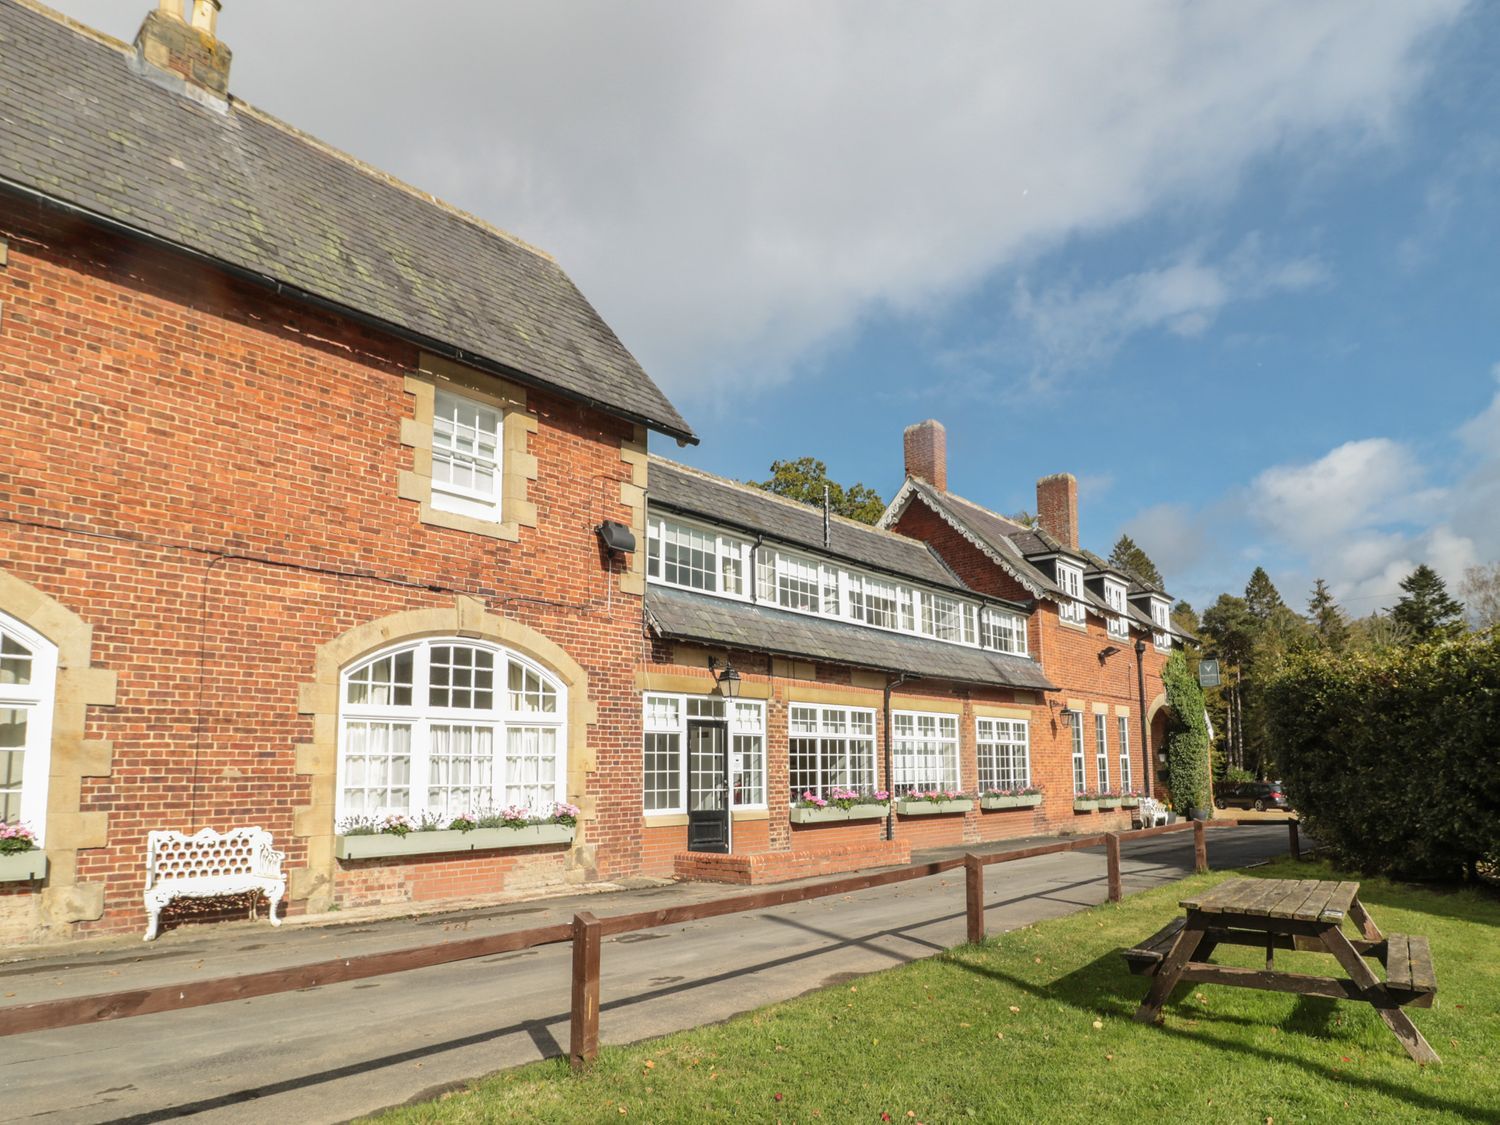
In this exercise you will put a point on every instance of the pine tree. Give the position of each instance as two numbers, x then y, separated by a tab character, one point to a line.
1262	598
1129	555
1330	624
1427	611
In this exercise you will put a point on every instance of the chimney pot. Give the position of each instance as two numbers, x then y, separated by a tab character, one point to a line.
1057	507
206	15
926	448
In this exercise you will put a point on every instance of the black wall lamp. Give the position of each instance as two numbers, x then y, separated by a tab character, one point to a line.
728	678
616	537
1106	652
1069	716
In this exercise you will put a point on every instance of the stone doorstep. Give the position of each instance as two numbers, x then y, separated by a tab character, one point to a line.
359	914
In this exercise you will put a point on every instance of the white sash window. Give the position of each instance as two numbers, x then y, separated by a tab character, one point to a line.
28	677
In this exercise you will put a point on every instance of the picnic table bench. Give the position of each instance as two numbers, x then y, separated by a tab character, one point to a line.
1306	915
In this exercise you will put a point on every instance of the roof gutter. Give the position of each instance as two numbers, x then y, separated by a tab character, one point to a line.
297	293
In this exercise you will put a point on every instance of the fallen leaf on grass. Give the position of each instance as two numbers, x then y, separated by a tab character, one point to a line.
1098	1025
999	1035
1013	1008
650	1065
778	1097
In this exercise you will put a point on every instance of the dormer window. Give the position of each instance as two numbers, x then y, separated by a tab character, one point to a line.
1114	597
1161	617
1070	581
696	558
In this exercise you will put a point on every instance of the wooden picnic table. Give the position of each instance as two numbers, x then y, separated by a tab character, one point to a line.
1298	914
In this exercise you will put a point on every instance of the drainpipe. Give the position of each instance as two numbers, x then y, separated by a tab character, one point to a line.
890	809
1140	679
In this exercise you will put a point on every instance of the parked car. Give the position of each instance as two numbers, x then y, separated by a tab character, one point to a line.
1257	795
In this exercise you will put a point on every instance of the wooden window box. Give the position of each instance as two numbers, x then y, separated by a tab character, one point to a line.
830	814
1026	801
378	844
19	867
933	808
1082	805
1110	802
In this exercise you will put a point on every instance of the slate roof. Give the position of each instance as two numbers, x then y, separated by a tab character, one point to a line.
81	129
686	615
693	492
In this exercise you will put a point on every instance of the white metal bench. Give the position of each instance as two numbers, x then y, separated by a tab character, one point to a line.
240	861
1150	812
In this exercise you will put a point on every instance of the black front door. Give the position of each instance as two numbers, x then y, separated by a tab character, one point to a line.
708	785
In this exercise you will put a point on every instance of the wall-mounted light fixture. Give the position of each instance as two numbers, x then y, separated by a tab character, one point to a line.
1106	652
1069	716
616	537
726	676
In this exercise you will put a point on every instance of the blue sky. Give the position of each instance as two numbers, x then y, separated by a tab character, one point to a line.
1235	266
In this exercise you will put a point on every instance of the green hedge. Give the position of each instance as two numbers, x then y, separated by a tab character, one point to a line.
1187	737
1391	756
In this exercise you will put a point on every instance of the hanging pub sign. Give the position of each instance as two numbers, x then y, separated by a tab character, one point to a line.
1208	672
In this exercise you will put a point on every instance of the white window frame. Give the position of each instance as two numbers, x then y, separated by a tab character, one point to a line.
731	555
747	721
1101	750
421	717
1161	617
1072	611
907	735
1000	631
455	498
1080	765
1114	596
37	701
1122	736
827	733
997	739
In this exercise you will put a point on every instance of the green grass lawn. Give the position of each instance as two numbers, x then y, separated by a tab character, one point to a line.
1035	1025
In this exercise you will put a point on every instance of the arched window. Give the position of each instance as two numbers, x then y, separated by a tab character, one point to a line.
445	726
28	676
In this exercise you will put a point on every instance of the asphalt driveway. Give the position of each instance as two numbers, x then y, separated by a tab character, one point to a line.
329	1054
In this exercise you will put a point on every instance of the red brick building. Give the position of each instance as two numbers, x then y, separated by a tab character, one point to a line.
299	493
323	503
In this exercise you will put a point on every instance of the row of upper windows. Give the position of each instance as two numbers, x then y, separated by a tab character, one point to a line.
697	557
467	480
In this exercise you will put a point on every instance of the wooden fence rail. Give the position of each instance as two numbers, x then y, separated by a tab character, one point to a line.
586	933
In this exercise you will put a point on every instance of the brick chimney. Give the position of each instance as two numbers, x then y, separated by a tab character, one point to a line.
926	446
1057	507
184	56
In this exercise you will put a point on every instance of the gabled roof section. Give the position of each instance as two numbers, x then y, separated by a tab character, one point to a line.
84	133
689	616
988	531
752	510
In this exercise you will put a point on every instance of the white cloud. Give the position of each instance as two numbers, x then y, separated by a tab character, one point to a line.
1071	328
737	183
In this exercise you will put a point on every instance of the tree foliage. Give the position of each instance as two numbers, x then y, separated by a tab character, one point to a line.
1329	622
1187	736
1262	598
1389	754
804	480
1426	610
1481	591
1129	555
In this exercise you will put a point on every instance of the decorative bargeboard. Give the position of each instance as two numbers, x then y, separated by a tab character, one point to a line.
209	864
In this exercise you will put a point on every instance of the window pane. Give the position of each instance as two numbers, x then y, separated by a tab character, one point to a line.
531	768
377	768
461	677
386	682
663	782
13	723
466	447
529	692
461	767
15	662
1004	757
688	557
663	712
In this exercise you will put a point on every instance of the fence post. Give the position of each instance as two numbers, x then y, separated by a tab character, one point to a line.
1296	844
1112	853
584	1023
1200	847
974	896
